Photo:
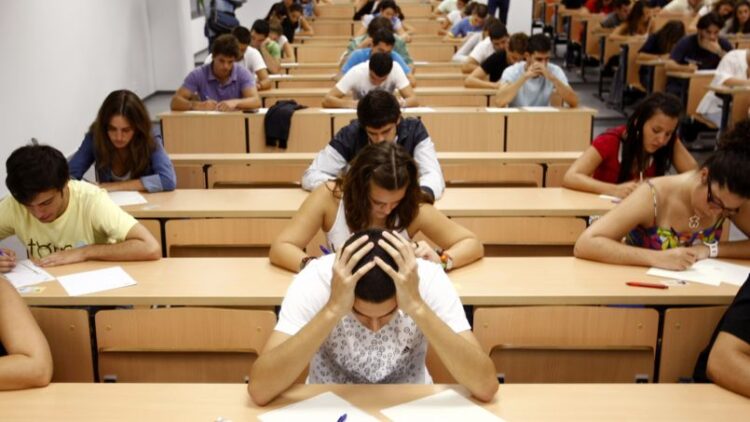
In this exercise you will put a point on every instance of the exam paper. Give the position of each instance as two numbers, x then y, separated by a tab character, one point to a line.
26	273
418	110
326	407
446	405
541	109
339	110
95	281
502	110
707	271
127	197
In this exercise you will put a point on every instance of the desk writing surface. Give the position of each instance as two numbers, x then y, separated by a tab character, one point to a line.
284	203
514	402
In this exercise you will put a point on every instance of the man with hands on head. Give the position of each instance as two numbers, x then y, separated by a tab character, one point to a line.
532	81
373	291
63	221
222	85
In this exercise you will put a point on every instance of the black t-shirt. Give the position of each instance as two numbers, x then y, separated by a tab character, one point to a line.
495	64
688	51
736	321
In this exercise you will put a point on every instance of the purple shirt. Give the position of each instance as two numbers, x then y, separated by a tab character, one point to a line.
202	81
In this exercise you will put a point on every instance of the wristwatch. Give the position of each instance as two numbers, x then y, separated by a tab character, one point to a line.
713	249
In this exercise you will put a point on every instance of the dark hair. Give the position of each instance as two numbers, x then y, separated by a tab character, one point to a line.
497	30
538	43
735	28
708	20
389	166
616	4
378	23
633	154
729	165
375	286
277	11
33	169
469	8
381	63
383	35
633	21
243	34
669	35
296	7
226	45
518	42
717	5
126	104
387	4
480	10
377	109
260	27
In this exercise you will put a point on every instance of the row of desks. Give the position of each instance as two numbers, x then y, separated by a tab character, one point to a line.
434	96
514	402
437	51
326	80
332	67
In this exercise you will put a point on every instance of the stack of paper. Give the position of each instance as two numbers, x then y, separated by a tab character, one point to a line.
326	407
707	271
26	273
127	197
447	405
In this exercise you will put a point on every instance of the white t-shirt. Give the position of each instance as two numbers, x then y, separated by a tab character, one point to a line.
447	6
454	16
253	60
482	50
357	80
681	6
732	65
352	353
471	41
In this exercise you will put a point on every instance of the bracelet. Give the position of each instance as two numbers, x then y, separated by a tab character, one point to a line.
446	261
713	249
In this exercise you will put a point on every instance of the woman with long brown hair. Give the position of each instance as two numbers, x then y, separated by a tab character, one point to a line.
126	152
380	190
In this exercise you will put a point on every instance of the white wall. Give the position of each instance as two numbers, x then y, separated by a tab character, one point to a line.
171	43
519	16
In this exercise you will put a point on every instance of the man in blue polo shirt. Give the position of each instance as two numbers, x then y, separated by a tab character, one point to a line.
383	41
222	85
473	23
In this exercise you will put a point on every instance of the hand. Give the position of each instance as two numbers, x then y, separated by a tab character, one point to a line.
712	46
423	250
623	189
68	256
227	105
701	252
407	277
7	260
205	105
534	71
343	281
677	259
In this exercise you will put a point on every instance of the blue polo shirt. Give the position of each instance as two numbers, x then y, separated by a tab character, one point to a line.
363	54
463	27
203	82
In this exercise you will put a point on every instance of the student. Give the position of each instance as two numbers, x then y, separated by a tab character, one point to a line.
365	40
377	73
726	360
471	41
673	221
378	120
731	72
279	46
463	9
379	190
496	40
740	21
260	41
383	41
637	23
647	146
127	152
63	221
296	23
221	85
25	358
365	316
699	51
659	45
683	6
388	10
473	23
495	65
619	14
445	7
251	58
531	82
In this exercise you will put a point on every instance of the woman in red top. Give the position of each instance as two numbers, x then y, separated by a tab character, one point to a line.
600	6
647	146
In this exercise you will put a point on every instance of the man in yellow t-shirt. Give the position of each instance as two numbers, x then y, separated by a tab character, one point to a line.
63	221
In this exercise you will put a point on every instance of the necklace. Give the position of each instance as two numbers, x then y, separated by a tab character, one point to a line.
694	221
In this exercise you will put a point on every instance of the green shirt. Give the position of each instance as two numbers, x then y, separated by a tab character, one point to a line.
274	49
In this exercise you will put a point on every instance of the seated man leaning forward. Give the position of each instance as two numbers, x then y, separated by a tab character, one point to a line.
532	81
63	221
377	73
378	120
365	316
224	84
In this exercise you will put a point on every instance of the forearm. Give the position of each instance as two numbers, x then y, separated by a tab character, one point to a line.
273	65
333	102
468	364
411	101
181	104
736	82
19	371
286	255
738	249
567	93
507	93
464	251
586	183
474	82
127	250
276	369
602	249
134	184
469	66
265	84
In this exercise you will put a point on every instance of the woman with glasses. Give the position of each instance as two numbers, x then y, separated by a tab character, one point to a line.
673	221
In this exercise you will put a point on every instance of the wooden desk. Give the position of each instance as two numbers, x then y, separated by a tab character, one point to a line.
514	402
735	104
419	50
326	80
428	96
695	85
332	67
494	281
656	79
204	131
564	129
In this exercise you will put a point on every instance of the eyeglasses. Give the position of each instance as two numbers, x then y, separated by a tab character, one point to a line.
716	203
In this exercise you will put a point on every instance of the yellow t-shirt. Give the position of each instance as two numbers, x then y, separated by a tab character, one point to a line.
91	218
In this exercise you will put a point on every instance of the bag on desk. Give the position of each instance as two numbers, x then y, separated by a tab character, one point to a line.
277	122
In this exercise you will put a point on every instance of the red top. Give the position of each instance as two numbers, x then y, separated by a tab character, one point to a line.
608	146
592	6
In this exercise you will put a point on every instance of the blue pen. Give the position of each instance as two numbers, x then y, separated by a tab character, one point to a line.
341	418
325	252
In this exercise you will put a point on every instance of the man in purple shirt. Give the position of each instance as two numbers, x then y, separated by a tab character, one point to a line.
220	85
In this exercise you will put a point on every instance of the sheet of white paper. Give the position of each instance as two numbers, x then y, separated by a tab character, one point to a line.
614	199
446	405
416	62
502	110
707	271
290	64
96	281
279	76
326	407
540	109
26	274
203	112
418	110
339	110
705	72
127	197
262	110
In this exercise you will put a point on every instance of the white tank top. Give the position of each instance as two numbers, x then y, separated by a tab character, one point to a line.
340	232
